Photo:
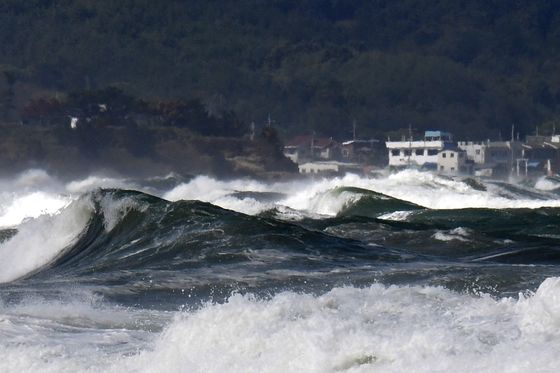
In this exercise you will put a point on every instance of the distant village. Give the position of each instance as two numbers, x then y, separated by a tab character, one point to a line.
436	151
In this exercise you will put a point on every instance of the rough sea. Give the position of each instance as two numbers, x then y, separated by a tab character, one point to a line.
410	272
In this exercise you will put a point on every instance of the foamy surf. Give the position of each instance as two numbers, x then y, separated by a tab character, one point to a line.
14	209
38	241
372	283
314	196
375	329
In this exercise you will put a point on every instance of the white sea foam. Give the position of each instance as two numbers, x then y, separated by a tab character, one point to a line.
16	208
457	234
34	178
38	241
316	197
29	195
36	193
207	189
95	182
375	329
547	184
378	329
397	215
78	333
114	210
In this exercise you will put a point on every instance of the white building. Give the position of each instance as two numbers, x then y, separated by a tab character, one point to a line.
331	167
489	152
453	162
476	150
418	153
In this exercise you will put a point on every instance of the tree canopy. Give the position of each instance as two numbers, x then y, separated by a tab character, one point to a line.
472	67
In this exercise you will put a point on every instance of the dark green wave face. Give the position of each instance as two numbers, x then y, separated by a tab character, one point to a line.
504	223
372	204
138	248
158	247
124	280
6	234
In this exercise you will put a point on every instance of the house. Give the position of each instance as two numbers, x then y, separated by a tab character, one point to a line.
328	168
422	153
492	158
305	148
475	150
454	161
364	151
540	155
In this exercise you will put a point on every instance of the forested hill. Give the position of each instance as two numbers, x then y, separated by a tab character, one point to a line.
472	67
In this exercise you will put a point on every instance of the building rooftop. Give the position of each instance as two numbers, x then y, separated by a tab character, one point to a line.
438	135
320	142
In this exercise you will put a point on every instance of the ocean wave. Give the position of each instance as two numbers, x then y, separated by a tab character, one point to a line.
379	328
111	232
39	241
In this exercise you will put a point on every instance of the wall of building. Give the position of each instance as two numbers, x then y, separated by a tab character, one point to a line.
476	150
453	162
404	153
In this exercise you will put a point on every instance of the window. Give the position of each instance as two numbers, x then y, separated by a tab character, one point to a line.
477	151
432	151
407	152
452	168
419	151
395	152
452	155
443	155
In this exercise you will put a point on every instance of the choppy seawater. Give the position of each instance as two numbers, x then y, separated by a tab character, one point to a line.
410	272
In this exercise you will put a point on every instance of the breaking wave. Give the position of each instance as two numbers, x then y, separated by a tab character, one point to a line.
378	328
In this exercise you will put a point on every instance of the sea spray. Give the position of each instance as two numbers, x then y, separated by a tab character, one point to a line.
314	196
15	208
348	274
38	241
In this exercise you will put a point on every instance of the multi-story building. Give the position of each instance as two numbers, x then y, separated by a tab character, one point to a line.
420	153
453	161
492	158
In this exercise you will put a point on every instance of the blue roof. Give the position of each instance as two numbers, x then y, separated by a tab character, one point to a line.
436	134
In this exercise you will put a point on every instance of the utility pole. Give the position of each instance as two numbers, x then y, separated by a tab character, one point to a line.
252	135
409	143
512	131
312	144
511	147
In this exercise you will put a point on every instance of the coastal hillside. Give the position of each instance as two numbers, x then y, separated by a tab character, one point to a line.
138	151
471	67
